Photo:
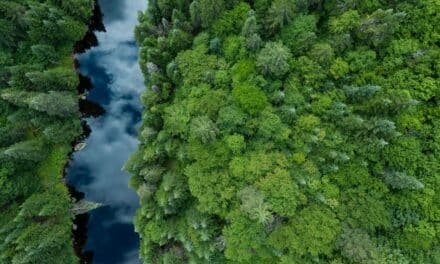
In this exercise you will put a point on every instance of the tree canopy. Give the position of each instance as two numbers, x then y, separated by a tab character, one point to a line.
39	120
289	132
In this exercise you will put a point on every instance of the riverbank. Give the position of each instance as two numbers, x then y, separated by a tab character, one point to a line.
112	70
87	109
39	118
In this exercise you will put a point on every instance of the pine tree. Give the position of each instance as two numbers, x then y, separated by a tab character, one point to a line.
280	13
53	103
31	150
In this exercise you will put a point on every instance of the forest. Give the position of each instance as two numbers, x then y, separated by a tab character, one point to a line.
273	131
39	121
288	131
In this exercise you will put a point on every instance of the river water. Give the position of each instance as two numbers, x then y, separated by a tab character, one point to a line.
117	81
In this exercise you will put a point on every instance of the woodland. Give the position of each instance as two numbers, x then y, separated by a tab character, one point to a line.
39	120
289	131
273	131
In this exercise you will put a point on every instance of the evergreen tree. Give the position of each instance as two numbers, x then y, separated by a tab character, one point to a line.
31	150
280	13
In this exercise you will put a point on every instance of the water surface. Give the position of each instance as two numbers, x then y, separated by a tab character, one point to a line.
117	82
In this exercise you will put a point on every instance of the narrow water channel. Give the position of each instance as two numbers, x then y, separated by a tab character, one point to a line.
117	81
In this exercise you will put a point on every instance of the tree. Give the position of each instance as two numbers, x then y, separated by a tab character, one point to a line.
31	150
38	123
281	192
280	13
176	120
203	129
250	98
53	103
378	27
250	26
254	42
236	143
178	40
243	237
48	25
345	22
273	59
313	232
11	23
322	53
81	9
231	21
339	68
271	127
399	180
300	34
9	34
230	118
45	54
62	131
27	237
294	128
54	79
194	10
254	206
214	190
357	246
210	10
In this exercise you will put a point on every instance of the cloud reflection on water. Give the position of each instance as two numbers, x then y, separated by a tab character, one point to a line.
96	170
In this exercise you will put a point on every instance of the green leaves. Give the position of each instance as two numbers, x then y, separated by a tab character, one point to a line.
345	22
31	150
399	180
280	13
273	59
209	10
39	119
300	34
244	239
176	120
306	130
379	26
313	231
253	204
357	246
250	98
203	129
281	192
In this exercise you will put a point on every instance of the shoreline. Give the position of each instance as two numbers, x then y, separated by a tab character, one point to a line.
87	109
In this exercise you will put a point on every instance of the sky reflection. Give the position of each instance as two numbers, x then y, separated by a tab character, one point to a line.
96	170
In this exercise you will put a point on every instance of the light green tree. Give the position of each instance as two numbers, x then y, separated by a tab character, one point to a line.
273	59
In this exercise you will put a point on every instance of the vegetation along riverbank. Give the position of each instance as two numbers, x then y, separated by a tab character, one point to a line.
39	121
287	131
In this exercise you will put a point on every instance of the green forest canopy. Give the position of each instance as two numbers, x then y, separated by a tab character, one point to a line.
289	131
39	119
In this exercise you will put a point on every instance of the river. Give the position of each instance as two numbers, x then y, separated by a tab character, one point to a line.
95	171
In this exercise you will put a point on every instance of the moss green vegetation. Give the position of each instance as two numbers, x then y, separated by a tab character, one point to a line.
39	119
289	131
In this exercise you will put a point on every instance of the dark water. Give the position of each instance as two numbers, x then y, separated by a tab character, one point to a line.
95	171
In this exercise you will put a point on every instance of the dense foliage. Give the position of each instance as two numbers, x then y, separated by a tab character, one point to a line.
289	131
39	119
